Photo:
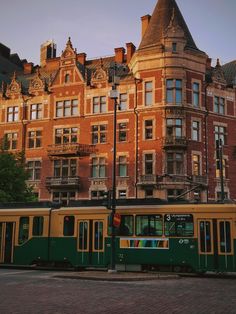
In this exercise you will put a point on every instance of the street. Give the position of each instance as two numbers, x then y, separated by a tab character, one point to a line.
34	291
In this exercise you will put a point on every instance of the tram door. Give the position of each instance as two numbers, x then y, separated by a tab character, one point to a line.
6	242
216	245
90	242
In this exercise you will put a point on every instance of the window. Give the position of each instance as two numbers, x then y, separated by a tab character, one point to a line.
98	167
34	170
149	225
148	93
65	168
34	139
36	111
38	226
10	140
69	223
126	227
63	197
219	105
123	102
220	134
23	230
67	108
12	114
98	236
122	166
219	196
179	225
196	94
225	237
205	236
174	128
196	165
122	194
195	130
172	194
148	129
66	135
148	163
148	193
67	78
174	163
95	195
99	134
99	104
174	91
174	47
122	132
224	164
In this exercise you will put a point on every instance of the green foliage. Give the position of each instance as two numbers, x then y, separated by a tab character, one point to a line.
13	176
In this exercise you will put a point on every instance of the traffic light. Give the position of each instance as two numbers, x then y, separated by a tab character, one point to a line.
107	199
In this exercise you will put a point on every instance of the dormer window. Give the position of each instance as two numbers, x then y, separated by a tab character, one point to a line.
174	47
67	78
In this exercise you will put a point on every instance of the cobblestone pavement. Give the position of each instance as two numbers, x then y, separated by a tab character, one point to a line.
33	291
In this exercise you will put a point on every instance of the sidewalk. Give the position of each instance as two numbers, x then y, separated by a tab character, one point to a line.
118	276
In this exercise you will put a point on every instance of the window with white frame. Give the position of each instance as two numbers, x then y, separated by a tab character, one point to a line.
219	105
65	168
36	111
99	134
67	108
123	102
35	139
196	94
99	104
175	163
174	128
220	134
122	166
148	129
195	130
34	169
148	163
12	114
10	140
66	136
148	93
98	167
196	164
174	91
122	131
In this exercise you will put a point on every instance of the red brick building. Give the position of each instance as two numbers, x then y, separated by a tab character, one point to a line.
172	107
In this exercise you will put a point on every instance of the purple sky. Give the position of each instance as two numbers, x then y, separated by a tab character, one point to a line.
96	27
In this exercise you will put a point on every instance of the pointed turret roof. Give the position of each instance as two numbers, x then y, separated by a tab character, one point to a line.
160	20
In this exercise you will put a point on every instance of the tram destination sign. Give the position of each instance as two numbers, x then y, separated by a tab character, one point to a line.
178	218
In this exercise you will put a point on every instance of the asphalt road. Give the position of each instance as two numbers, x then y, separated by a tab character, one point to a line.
33	291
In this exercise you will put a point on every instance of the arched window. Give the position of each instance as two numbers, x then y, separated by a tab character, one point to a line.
67	78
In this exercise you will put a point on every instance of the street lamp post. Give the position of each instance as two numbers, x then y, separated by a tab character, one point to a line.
114	95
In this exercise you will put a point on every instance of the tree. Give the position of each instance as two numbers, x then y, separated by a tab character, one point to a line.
13	176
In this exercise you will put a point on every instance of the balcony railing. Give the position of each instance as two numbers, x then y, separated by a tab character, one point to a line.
191	180
70	149
147	179
57	182
200	180
171	141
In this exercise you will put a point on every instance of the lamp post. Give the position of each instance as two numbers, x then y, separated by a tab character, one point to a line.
114	95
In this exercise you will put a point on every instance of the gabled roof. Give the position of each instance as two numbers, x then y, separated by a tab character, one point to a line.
159	22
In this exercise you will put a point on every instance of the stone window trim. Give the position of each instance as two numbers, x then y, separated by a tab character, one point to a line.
99	104
199	154
100	131
11	139
35	168
149	127
219	134
225	159
122	161
144	160
199	82
175	90
199	120
35	111
62	105
12	114
123	104
147	90
219	105
34	138
120	192
72	135
95	162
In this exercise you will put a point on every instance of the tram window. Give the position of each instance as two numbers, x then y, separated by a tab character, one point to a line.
225	237
205	236
126	226
83	235
98	235
23	230
179	225
149	225
38	226
69	222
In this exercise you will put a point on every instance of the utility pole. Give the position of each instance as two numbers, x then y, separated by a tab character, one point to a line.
219	166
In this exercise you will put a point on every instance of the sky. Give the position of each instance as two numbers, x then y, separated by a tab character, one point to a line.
96	27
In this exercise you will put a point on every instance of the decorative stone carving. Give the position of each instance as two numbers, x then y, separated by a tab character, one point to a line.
99	76
14	88
218	74
68	56
36	84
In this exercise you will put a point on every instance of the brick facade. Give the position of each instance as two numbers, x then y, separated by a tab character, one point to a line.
172	107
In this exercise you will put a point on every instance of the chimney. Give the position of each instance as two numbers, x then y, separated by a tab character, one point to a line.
28	67
47	51
81	58
208	63
145	21
130	47
119	55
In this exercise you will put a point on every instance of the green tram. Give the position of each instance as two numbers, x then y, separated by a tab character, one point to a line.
182	237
